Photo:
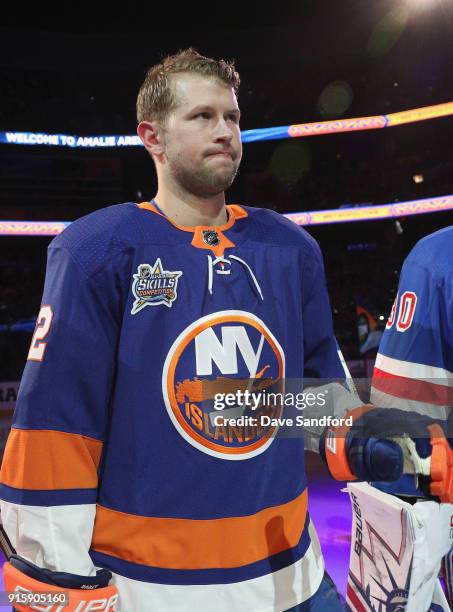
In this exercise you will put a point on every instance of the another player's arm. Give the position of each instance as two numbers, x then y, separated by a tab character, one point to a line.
325	372
49	474
414	365
383	444
379	445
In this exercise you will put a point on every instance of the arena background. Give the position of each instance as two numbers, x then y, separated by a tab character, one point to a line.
300	62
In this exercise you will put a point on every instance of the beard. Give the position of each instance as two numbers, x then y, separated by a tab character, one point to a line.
201	180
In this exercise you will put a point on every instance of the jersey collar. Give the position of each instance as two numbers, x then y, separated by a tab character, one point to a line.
201	232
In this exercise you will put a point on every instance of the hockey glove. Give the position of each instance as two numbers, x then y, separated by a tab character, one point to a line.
382	444
28	583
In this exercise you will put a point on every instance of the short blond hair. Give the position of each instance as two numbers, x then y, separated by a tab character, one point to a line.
156	99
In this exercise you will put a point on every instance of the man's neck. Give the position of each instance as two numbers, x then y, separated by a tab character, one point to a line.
191	210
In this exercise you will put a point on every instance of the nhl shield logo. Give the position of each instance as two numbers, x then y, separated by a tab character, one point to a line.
154	286
211	237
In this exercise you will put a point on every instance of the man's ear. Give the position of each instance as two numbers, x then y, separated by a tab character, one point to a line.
151	136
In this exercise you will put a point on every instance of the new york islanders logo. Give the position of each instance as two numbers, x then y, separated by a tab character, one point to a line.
224	353
153	285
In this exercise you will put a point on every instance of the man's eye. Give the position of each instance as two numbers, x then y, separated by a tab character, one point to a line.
234	118
204	115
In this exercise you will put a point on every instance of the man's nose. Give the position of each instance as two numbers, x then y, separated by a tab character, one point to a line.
223	131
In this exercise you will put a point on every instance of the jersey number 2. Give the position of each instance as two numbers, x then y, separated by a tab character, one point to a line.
43	323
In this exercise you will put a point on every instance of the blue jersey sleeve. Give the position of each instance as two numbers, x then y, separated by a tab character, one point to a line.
414	365
320	346
420	327
55	444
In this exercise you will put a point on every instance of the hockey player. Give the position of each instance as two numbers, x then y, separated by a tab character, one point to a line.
150	310
119	485
398	545
414	365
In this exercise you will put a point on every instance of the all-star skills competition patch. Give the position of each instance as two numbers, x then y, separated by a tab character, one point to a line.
153	286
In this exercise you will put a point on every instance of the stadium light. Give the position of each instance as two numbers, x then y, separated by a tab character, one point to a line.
422	5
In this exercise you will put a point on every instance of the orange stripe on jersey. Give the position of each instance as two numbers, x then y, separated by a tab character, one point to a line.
235	212
50	460
199	544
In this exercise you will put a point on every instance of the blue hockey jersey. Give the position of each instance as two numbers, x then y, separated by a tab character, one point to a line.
114	459
414	365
